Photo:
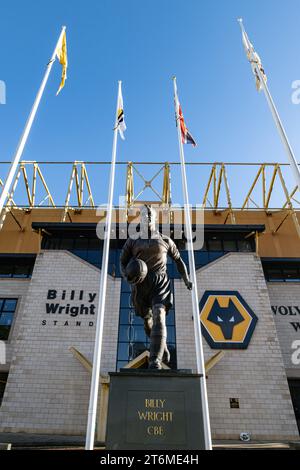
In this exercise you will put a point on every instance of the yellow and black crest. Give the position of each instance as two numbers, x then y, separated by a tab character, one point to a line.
227	320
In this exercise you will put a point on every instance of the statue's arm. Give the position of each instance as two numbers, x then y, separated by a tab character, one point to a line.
180	264
125	256
182	269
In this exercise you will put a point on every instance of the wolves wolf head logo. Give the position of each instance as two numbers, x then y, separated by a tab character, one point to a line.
225	317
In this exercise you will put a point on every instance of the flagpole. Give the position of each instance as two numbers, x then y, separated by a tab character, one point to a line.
27	128
195	301
289	151
92	412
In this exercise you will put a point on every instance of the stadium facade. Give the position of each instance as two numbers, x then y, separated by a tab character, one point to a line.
248	273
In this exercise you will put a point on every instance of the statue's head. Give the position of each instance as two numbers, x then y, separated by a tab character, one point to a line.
148	217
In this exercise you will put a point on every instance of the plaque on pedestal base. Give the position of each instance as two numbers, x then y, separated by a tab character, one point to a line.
155	410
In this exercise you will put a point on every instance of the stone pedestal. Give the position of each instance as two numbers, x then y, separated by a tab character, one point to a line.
154	410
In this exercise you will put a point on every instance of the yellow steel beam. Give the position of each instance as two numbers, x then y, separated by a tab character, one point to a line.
23	169
129	185
87	182
79	198
34	183
252	188
166	193
264	184
66	208
218	188
39	171
282	222
6	209
290	205
228	196
276	167
291	196
208	185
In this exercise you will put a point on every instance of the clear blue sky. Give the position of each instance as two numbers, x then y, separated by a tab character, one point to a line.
144	43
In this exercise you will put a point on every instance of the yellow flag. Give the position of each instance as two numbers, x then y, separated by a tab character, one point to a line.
61	54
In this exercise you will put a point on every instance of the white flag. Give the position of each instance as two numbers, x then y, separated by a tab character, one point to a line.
253	58
121	121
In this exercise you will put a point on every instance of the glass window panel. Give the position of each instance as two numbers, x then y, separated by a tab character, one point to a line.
10	305
112	269
123	352
126	333
173	361
215	255
117	270
125	300
94	256
112	257
21	271
139	334
6	270
54	243
244	245
290	273
215	245
229	245
66	244
4	332
136	320
80	253
81	243
171	334
126	287
6	319
95	244
125	316
274	274
172	271
121	364
170	318
204	248
1	304
201	258
137	349
184	255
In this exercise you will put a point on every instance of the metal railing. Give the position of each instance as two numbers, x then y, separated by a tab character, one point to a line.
68	185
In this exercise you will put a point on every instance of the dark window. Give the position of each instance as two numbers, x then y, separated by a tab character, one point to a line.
7	310
291	274
90	249
201	258
67	244
245	245
3	381
275	274
215	245
213	255
294	385
16	266
230	245
277	270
